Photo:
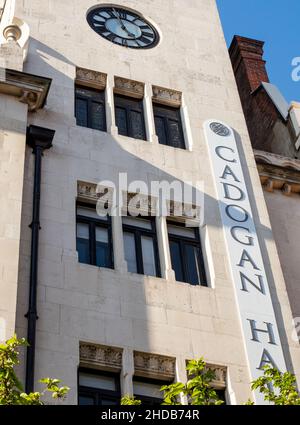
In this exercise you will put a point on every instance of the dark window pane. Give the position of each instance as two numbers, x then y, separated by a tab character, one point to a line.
90	108
82	112
98	116
176	260
148	253
109	402
161	130
130	252
121	121
102	248
168	126
83	243
192	254
86	401
175	131
137	125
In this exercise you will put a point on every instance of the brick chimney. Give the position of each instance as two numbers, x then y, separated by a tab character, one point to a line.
250	71
247	61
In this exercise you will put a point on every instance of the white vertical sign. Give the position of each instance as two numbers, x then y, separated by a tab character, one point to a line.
258	322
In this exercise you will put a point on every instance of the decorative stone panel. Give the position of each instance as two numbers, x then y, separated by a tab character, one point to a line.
154	366
167	96
95	194
278	172
138	203
89	78
129	87
220	376
100	357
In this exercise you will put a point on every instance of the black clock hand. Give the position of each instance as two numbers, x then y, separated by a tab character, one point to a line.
122	24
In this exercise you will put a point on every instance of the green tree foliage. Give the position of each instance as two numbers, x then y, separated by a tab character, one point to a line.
278	388
198	388
130	401
11	391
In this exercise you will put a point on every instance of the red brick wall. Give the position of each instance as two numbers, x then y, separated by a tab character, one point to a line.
250	71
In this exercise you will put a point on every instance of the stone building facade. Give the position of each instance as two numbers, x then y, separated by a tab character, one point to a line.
113	328
274	127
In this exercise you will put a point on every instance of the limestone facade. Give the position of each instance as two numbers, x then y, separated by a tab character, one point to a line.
82	309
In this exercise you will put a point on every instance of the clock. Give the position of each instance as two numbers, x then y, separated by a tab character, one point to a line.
220	129
123	27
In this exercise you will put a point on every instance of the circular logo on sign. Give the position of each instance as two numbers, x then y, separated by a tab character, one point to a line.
220	129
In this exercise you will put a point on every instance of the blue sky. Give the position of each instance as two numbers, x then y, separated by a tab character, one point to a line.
277	23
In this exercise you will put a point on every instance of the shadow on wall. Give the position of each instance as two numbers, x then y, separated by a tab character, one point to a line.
100	155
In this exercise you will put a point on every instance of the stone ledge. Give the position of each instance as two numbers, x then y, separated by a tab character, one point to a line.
278	172
27	88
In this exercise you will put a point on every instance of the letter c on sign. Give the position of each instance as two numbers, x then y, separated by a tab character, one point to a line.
218	149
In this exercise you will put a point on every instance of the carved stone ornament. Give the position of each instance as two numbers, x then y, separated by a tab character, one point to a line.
278	172
100	356
27	88
167	96
154	366
138	204
184	211
93	191
90	78
129	87
220	376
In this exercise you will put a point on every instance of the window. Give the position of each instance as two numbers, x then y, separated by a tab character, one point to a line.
148	391
130	117
98	388
140	246
168	126
90	108
186	254
94	237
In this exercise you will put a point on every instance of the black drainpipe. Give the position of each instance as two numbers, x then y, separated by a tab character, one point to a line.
39	139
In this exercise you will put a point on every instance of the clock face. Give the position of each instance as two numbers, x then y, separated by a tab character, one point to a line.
123	27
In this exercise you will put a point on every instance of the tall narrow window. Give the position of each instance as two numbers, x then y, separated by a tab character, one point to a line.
186	254
90	108
130	117
140	245
148	391
98	388
94	237
168	126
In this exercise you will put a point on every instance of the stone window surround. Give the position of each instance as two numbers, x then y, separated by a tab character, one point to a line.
146	91
131	363
87	192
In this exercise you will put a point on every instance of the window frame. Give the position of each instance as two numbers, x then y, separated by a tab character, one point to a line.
182	241
98	393
148	400
102	100
166	119
120	102
138	232
93	223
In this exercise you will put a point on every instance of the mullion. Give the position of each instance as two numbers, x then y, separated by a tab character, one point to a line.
93	243
139	252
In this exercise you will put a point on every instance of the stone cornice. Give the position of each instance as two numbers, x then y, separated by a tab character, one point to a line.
27	88
128	87
167	96
100	357
278	172
89	78
154	366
